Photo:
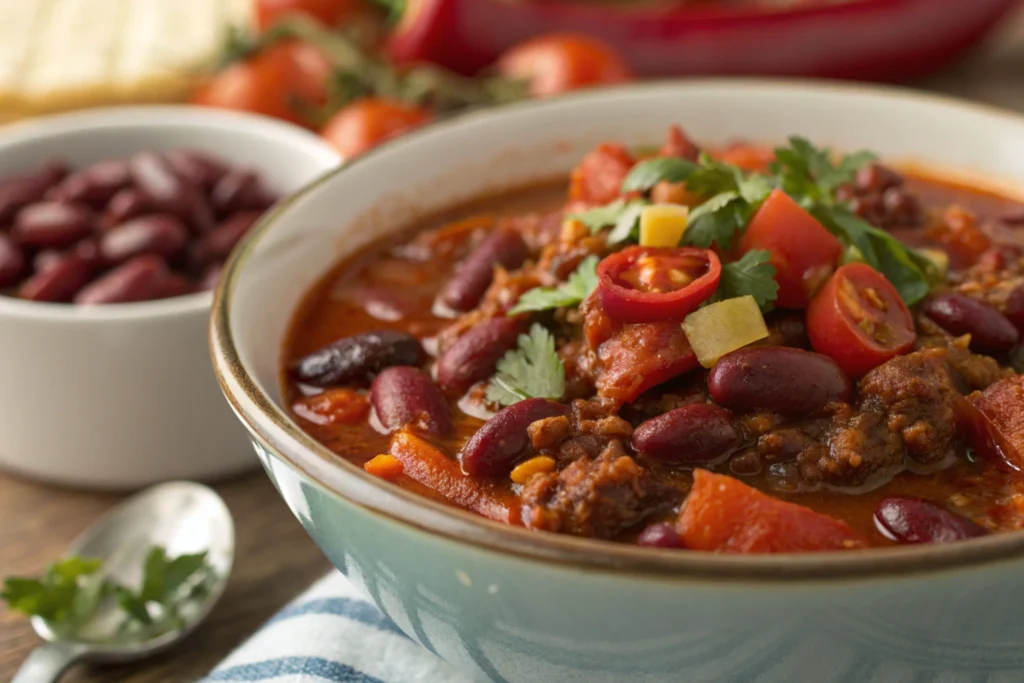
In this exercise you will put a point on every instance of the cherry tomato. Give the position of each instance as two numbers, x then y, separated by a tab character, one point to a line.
803	252
271	82
859	320
368	122
328	12
561	62
651	284
597	179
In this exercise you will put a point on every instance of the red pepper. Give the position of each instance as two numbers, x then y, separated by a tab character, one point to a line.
650	284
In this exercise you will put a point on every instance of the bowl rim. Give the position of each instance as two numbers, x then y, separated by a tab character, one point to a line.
388	502
38	131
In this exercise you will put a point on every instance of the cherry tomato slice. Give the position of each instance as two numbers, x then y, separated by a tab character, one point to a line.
803	252
859	320
368	122
651	284
560	62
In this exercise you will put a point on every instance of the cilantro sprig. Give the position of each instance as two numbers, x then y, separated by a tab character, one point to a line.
533	370
623	217
752	275
578	287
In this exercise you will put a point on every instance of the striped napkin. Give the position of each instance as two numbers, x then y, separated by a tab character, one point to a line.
332	633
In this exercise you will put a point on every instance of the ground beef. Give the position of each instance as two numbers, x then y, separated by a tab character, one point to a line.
975	372
597	497
861	450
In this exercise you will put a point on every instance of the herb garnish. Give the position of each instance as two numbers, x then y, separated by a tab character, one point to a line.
623	217
533	370
578	287
752	275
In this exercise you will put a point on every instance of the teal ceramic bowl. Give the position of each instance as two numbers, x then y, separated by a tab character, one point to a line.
530	607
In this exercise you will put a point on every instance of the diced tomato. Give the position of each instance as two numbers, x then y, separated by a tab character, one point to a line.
999	431
598	178
803	252
722	514
748	157
638	357
427	464
678	145
859	320
959	233
338	406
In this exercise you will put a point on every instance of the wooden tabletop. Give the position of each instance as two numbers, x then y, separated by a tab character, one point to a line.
275	559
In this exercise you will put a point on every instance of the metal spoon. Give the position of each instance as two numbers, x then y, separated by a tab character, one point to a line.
183	517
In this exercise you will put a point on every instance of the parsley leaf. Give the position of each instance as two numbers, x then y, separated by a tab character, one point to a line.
65	597
627	227
807	172
752	275
621	215
578	287
649	173
533	370
717	220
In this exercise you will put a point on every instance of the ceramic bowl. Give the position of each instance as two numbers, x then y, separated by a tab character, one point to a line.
120	396
527	607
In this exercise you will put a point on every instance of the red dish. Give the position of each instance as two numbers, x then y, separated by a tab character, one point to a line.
886	40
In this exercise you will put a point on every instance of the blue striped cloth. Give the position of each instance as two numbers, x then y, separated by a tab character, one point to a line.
332	633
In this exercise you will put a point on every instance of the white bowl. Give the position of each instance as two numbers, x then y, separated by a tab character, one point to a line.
519	606
121	396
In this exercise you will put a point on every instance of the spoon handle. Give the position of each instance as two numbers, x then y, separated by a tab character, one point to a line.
47	662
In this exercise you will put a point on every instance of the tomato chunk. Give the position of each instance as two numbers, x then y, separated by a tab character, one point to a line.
651	284
677	144
803	252
598	177
959	233
859	320
1000	430
638	357
722	514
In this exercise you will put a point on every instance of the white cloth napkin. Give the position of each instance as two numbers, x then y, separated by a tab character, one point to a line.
331	633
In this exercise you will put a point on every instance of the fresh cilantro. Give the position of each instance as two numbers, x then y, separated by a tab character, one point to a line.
167	584
809	173
533	370
752	275
578	287
716	221
66	595
647	174
622	216
627	226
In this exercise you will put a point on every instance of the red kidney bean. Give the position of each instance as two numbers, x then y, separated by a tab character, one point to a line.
166	190
52	225
174	284
45	259
59	282
200	169
93	185
404	396
914	520
504	247
210	277
89	251
779	379
1013	216
216	245
496	447
239	190
139	279
159	234
127	204
12	262
473	356
1014	311
660	535
991	332
20	191
876	178
358	358
693	434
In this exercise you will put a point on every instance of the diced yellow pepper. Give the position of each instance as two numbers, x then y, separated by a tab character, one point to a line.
662	225
938	257
723	327
540	464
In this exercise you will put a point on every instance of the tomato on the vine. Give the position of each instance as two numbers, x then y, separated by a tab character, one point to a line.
369	121
560	62
328	12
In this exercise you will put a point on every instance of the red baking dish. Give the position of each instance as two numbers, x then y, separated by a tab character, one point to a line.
886	40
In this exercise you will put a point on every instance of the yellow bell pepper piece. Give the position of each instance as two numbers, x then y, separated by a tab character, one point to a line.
723	327
938	257
662	225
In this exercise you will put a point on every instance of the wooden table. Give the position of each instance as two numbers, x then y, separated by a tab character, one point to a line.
275	559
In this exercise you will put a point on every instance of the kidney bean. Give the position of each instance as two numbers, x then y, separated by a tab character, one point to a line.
494	449
127	204
473	356
45	259
52	224
59	282
93	185
1014	311
991	332
778	379
159	234
404	396
139	279
660	535
210	277
89	250
199	169
239	190
20	191
174	284
914	520
167	191
216	245
876	178
1013	216
504	247
693	434
358	358
901	207
12	262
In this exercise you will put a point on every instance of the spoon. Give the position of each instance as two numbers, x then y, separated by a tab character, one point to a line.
183	517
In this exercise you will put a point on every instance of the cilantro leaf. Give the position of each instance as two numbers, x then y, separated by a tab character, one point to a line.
627	227
56	597
806	172
649	173
621	215
533	370
752	275
716	221
578	287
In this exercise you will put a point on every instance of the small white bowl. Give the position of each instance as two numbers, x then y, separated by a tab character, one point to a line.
121	396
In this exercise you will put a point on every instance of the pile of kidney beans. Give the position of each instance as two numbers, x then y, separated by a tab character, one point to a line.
153	226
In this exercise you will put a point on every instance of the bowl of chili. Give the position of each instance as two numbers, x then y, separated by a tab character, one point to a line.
503	398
